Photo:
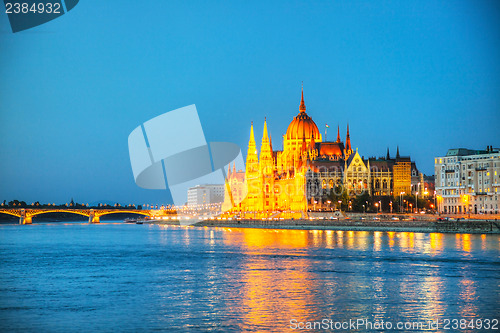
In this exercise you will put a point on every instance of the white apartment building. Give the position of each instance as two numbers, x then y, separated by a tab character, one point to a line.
468	181
205	194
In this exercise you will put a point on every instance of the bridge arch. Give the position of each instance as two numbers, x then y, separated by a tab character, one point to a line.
138	212
26	214
36	212
10	213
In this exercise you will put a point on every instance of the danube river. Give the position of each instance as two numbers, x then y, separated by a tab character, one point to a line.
61	277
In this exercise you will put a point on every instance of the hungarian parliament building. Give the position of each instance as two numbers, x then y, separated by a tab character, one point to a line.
292	181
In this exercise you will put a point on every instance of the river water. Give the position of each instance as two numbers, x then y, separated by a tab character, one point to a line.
66	277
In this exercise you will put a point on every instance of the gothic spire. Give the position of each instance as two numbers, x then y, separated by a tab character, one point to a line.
265	136
348	139
388	157
338	133
266	154
302	107
252	137
397	153
252	158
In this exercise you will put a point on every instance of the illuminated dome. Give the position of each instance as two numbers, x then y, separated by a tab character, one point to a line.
302	126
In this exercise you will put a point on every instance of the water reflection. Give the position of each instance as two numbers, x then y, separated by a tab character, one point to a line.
235	279
436	242
282	277
271	297
468	307
463	242
431	296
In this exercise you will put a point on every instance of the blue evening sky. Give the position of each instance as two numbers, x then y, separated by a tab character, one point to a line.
424	75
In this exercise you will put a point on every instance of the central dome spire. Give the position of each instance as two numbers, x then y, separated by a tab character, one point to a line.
302	126
302	107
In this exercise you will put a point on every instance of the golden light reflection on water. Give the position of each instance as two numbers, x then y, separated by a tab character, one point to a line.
377	241
264	238
466	244
431	295
436	241
340	238
406	240
329	238
350	239
280	279
463	242
361	238
391	238
274	296
468	308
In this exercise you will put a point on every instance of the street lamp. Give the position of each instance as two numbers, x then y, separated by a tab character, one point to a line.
416	202
380	205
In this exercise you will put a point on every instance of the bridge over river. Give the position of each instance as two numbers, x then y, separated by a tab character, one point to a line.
26	214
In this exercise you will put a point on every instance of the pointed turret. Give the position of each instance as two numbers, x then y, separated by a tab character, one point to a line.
397	153
252	158
252	171
234	169
388	157
228	176
252	136
266	155
265	136
348	148
338	133
348	140
302	107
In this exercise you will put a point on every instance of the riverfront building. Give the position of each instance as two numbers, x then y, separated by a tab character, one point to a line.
288	182
468	181
205	194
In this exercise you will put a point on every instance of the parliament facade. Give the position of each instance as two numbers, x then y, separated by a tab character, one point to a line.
290	182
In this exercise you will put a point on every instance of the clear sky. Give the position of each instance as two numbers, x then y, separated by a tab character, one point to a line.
424	75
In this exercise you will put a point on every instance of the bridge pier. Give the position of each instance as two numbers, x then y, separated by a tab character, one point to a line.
93	218
23	219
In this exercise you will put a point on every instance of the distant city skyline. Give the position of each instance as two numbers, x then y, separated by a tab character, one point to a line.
421	76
